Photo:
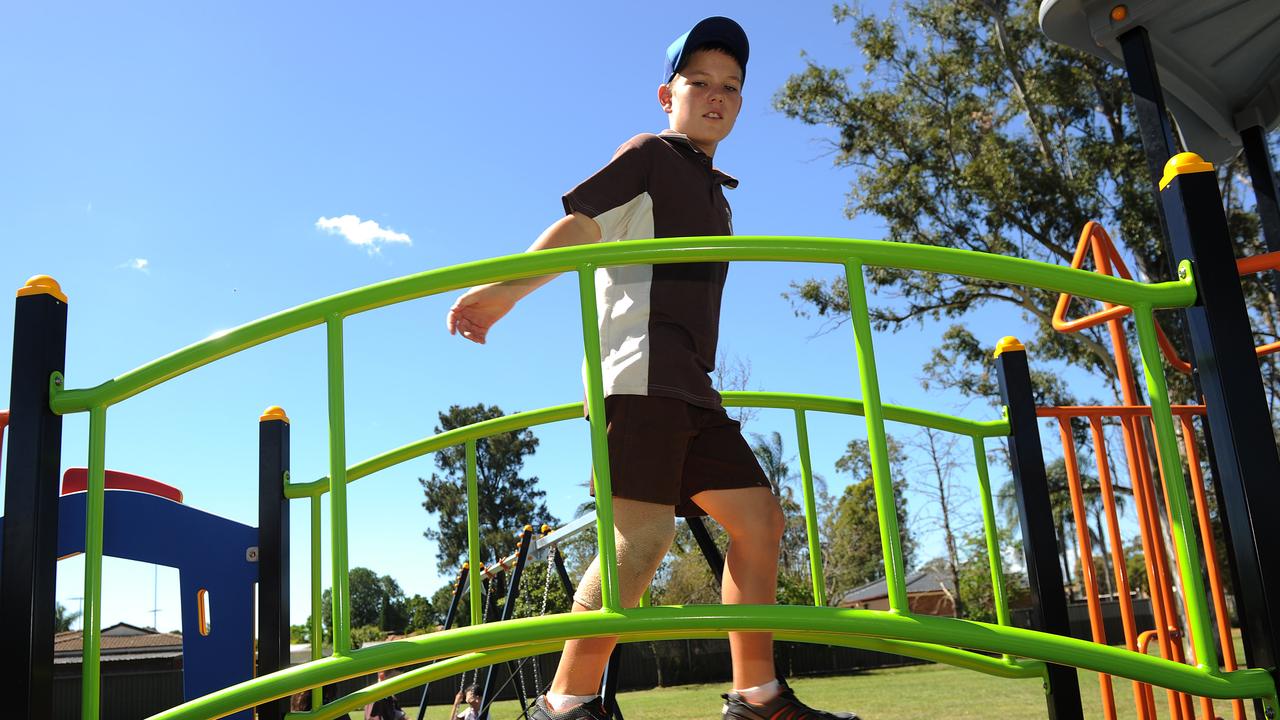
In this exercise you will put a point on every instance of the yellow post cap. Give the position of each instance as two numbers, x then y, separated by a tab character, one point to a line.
1181	164
42	285
528	528
275	412
1008	342
545	528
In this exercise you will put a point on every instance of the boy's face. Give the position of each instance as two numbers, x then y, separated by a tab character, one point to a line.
473	699
704	98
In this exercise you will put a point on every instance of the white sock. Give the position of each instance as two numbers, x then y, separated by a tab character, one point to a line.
760	694
559	703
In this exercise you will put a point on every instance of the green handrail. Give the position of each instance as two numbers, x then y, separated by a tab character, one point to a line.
528	636
585	260
1081	283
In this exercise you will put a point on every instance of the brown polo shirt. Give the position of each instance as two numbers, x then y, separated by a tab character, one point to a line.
659	324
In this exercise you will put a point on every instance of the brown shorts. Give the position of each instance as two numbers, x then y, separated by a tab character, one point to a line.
663	450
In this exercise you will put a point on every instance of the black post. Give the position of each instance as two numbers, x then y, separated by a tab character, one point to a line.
609	689
563	574
1153	119
273	552
1265	189
1237	413
459	588
1264	184
28	567
710	550
508	608
1048	599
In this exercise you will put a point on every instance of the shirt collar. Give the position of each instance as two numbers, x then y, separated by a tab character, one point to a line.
682	141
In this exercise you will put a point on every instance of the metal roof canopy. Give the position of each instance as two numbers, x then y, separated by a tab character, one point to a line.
1219	60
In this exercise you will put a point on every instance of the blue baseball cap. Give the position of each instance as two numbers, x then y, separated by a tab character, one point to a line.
710	30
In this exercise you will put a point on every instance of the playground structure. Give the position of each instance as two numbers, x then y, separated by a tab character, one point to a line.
1207	287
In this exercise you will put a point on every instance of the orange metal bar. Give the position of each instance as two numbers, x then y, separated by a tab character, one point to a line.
1211	557
1119	563
1086	560
1106	259
4	423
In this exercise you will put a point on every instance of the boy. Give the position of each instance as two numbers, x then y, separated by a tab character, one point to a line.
672	448
471	695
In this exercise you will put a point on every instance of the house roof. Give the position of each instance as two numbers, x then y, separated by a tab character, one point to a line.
120	641
920	581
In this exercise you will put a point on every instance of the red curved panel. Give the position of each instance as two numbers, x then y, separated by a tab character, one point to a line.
76	480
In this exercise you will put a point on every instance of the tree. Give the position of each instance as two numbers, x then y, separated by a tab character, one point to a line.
421	615
507	500
62	619
854	552
375	601
940	462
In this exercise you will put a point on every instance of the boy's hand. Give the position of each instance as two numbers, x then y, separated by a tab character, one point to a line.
478	309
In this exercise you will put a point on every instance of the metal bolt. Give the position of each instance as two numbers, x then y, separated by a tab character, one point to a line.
251	554
1182	272
286	476
57	380
1270	712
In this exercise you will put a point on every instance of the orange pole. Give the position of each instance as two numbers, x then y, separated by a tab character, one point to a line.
1210	556
4	422
1118	560
1096	623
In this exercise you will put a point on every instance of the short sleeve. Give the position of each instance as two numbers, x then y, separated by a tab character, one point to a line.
624	179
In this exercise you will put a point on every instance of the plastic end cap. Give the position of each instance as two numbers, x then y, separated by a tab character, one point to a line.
1008	342
275	412
545	528
1181	164
1119	13
42	285
528	528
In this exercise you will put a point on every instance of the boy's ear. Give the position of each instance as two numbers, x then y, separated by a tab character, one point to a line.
664	97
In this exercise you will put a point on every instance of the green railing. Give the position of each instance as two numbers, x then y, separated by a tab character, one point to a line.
482	644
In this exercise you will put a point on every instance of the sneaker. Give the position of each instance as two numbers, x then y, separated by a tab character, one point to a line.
592	709
785	706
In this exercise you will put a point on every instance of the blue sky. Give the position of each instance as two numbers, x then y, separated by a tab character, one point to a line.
171	167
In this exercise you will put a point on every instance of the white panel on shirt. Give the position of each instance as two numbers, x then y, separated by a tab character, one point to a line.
622	303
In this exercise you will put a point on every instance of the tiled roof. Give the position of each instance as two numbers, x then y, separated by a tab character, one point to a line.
919	581
120	639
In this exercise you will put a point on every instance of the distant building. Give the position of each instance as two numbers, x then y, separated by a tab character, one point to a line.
929	592
141	672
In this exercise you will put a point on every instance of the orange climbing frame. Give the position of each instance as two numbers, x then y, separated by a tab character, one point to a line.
1130	416
1108	262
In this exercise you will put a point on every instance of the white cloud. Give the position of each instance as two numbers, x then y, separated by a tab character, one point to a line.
139	264
364	233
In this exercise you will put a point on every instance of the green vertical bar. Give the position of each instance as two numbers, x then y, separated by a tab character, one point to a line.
317	629
599	440
91	622
1184	537
473	536
886	503
810	514
991	531
338	489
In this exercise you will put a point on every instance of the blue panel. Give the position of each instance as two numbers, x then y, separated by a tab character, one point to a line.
210	553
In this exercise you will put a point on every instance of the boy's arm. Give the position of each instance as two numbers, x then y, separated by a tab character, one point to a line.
480	307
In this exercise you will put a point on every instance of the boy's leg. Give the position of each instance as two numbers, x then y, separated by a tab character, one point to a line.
643	533
755	523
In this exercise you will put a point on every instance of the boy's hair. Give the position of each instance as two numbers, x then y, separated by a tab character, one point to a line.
472	689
